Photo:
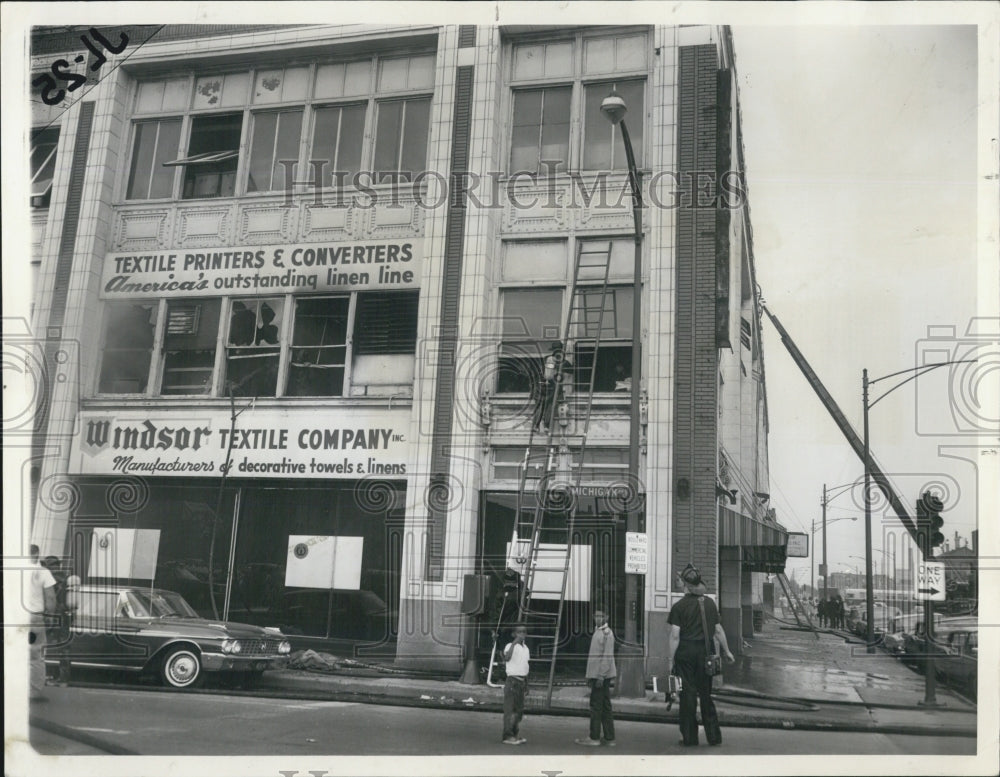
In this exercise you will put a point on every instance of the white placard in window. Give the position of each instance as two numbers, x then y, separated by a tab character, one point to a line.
324	561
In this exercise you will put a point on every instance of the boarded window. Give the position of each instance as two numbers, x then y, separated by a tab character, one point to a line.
386	323
189	346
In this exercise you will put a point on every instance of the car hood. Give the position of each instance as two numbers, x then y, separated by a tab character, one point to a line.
203	627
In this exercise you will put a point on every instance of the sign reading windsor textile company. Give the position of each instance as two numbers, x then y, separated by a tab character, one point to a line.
389	264
266	444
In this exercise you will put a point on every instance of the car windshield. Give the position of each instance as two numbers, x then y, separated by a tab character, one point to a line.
159	604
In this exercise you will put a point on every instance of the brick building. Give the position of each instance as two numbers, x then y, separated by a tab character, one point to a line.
294	284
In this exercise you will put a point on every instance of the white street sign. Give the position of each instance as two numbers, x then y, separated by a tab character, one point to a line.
636	553
929	583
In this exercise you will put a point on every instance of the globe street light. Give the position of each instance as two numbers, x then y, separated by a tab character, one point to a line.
633	680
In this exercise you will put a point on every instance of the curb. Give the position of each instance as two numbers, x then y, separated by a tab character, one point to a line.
736	720
66	732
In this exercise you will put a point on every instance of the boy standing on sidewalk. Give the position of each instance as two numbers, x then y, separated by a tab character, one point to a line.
600	672
516	656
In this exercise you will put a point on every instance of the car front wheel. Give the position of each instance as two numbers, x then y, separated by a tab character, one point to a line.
181	668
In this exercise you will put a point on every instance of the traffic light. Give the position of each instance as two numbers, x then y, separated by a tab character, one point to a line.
929	519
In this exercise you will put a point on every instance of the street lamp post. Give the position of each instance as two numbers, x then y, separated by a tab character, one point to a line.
633	680
866	405
825	571
840	490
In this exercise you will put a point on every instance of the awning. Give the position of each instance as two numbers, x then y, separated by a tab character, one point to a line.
763	542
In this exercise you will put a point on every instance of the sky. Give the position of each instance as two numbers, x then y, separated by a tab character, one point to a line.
861	156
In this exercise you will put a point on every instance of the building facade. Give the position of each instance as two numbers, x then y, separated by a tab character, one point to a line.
296	284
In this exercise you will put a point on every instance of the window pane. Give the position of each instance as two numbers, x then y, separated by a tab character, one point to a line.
166	149
176	94
128	347
253	347
268	88
558	59
631	52
358	77
421	72
387	137
319	347
520	367
337	139
264	127
142	161
189	346
296	83
599	55
525	124
208	92
616	321
603	147
535	261
213	133
386	323
555	127
150	97
234	89
532	314
414	156
287	149
352	133
330	80
393	74
529	62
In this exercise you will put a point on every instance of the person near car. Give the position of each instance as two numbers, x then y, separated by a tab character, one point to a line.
40	598
58	631
601	672
686	652
516	657
839	612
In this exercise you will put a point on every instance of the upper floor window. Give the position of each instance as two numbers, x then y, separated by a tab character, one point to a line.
557	89
320	346
535	304
262	130
44	143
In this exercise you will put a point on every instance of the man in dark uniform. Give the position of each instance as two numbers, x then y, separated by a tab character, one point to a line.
687	653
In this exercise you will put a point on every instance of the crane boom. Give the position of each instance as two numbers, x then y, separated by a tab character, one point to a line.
844	425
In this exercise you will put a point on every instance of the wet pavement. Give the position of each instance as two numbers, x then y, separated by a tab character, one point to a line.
786	678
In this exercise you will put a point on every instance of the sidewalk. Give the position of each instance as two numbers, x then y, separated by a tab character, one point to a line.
786	679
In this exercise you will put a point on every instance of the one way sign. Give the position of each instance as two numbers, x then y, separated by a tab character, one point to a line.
930	581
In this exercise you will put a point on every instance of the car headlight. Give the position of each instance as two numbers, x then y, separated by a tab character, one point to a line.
236	646
284	648
231	646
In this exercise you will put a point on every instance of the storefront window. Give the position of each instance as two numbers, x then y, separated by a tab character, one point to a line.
129	332
253	347
189	346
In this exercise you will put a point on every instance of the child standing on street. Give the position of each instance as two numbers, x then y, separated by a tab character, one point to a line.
600	672
516	656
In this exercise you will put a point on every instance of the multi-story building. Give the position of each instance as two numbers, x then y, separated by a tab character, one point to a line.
295	285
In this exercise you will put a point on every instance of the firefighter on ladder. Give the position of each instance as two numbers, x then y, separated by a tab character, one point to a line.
556	384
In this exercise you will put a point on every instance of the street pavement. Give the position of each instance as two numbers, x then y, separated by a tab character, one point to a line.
154	722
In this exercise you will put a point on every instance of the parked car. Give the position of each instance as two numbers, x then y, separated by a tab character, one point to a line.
138	629
883	615
957	663
894	640
915	646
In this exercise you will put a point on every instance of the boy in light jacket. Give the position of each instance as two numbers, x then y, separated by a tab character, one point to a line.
600	672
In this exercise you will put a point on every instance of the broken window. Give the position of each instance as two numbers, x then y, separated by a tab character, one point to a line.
189	345
319	347
253	347
129	330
